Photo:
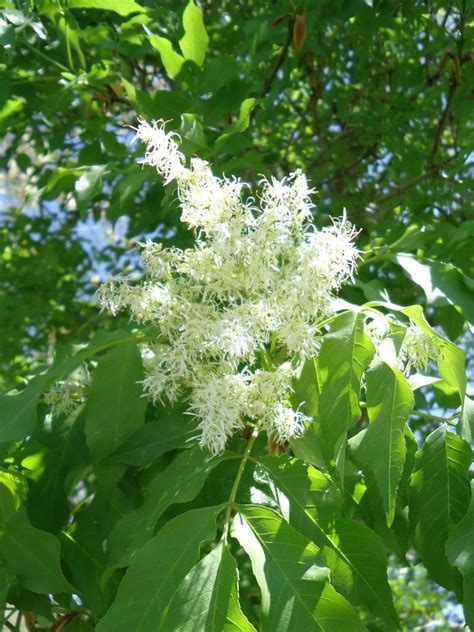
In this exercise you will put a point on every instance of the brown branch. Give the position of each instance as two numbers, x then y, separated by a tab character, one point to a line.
267	86
442	123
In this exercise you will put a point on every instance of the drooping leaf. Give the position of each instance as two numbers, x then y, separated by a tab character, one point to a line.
115	407
354	554
85	558
194	42
48	506
157	570
345	354
441	282
460	553
296	593
171	60
380	447
33	556
439	499
180	482
207	598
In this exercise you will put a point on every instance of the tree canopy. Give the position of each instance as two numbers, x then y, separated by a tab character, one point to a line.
372	100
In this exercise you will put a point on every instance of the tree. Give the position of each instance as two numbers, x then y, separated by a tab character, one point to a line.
372	104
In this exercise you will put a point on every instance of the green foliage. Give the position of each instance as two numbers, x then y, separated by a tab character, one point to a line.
439	499
113	510
380	448
286	568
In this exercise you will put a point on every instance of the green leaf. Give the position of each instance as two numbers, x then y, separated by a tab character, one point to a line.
194	42
171	60
460	553
89	184
441	282
18	411
345	353
13	489
466	426
380	447
451	361
157	570
83	553
305	397
172	430
207	598
296	594
240	125
77	625
11	106
354	554
33	556
180	482
116	406
122	7
439	499
48	506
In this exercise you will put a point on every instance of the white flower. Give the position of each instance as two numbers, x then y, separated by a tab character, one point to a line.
67	396
377	326
287	423
162	150
417	349
256	278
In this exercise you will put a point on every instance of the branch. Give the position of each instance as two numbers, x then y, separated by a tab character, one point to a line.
279	61
442	123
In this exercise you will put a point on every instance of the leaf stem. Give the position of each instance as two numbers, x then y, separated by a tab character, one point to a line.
46	57
235	486
446	420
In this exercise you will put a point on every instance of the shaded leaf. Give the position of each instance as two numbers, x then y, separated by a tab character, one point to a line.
439	499
33	556
460	553
172	430
354	554
180	482
84	556
207	598
157	570
116	406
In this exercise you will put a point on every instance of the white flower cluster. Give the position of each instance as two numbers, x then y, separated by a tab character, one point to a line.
66	397
258	282
417	349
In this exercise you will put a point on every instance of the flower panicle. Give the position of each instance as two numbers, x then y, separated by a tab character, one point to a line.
259	272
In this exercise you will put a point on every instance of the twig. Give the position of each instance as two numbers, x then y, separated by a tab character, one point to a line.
235	486
279	61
